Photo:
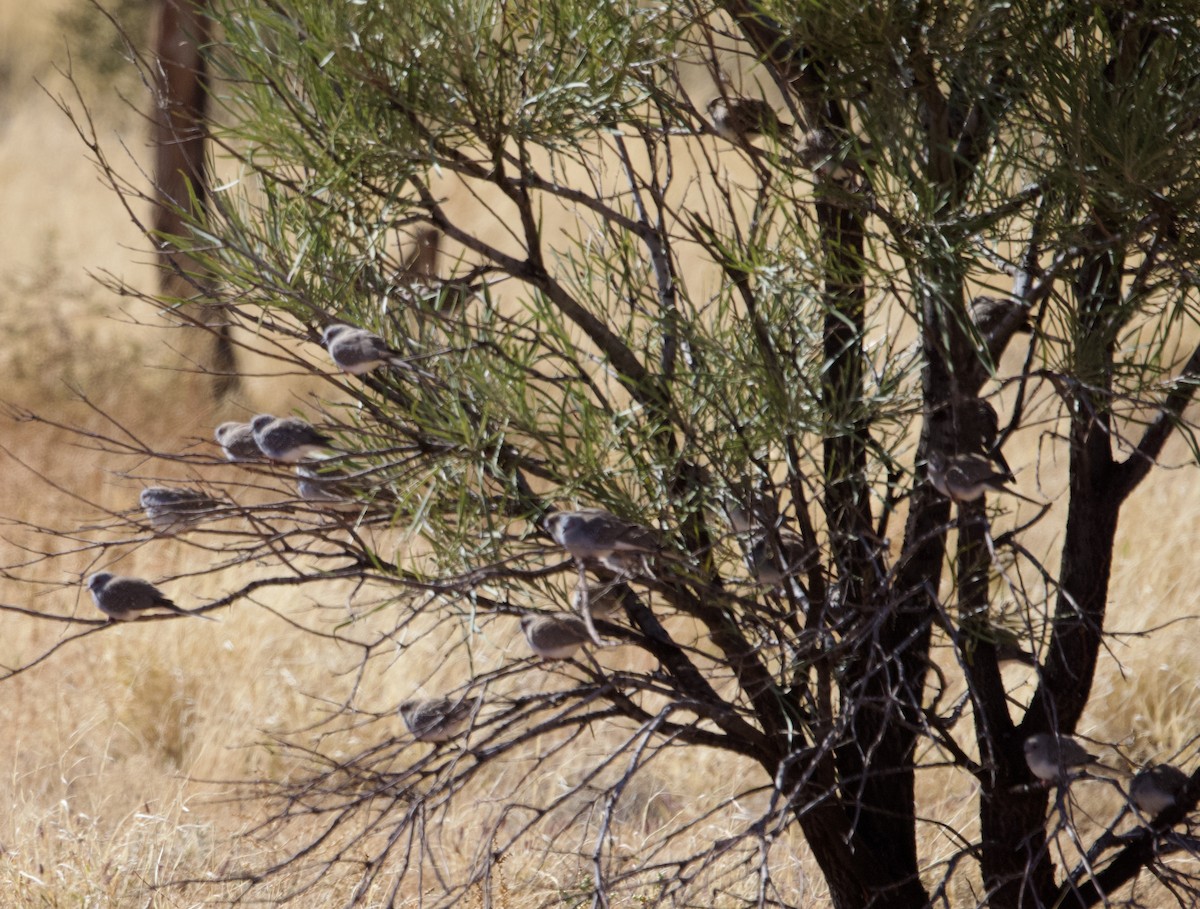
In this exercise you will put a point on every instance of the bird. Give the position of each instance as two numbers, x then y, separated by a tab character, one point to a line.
170	509
1157	788
595	534
821	151
1050	757
739	119
422	263
555	637
356	351
966	477
981	429
602	601
237	441
437	719
991	314
330	488
773	558
288	439
122	599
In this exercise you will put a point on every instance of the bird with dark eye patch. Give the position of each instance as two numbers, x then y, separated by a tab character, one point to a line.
595	534
437	719
289	439
171	509
555	637
601	600
1157	788
123	599
237	441
966	477
773	559
1052	757
741	119
356	351
981	429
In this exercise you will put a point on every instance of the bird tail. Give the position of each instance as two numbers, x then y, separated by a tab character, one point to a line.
179	610
997	458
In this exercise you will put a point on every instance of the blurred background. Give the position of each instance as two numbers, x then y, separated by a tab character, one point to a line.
106	741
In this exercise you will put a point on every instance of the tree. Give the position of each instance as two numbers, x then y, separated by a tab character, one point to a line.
697	333
180	79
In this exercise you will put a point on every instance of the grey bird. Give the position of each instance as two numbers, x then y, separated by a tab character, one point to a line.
771	558
740	119
356	351
1157	788
438	719
288	439
123	599
775	558
966	477
327	487
237	441
602	601
1051	757
555	637
171	509
595	534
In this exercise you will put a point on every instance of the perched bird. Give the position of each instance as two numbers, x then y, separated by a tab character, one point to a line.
981	428
237	441
592	533
775	558
994	317
771	558
122	599
170	509
1157	788
741	519
356	351
555	637
821	152
740	119
422	263
602	601
1050	757
288	439
327	487
966	477
437	719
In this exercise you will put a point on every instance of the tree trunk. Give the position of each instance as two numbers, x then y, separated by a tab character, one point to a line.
181	169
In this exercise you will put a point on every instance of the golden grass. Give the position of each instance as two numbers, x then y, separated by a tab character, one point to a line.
118	752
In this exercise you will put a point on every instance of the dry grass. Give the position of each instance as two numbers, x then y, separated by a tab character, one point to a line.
116	750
